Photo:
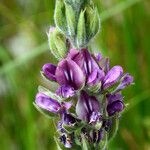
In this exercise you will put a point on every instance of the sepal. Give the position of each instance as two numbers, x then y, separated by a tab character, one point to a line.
73	127
60	17
85	144
71	21
102	145
46	113
114	128
47	92
81	30
58	44
92	22
95	88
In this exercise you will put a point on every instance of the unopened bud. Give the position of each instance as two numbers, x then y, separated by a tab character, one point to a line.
92	22
60	16
57	43
81	30
71	21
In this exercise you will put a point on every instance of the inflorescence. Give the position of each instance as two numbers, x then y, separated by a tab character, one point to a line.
88	102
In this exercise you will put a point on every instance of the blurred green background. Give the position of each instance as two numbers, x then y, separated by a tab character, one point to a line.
124	37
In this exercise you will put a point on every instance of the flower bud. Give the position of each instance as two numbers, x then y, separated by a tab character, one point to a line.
113	76
115	103
58	44
60	17
125	81
92	22
81	30
48	71
47	103
71	21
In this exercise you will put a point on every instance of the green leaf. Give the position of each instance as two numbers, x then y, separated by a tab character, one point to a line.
46	113
81	30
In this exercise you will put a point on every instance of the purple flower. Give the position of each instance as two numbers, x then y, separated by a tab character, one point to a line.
126	81
45	102
95	77
69	73
87	107
115	103
88	64
65	91
112	77
48	71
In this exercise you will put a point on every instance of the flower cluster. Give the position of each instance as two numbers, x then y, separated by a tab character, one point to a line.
88	100
89	95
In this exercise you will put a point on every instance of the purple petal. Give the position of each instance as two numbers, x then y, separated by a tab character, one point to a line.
95	77
67	105
126	81
116	106
72	53
86	105
95	116
65	91
47	103
99	57
112	76
104	64
85	61
114	97
69	73
49	71
92	77
115	103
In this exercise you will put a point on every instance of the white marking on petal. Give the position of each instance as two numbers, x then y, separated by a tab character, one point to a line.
71	75
90	104
66	75
90	66
85	67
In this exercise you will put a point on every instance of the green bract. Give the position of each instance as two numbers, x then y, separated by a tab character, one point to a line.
78	20
58	44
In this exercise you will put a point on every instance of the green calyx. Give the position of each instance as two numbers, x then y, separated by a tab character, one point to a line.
78	20
58	44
